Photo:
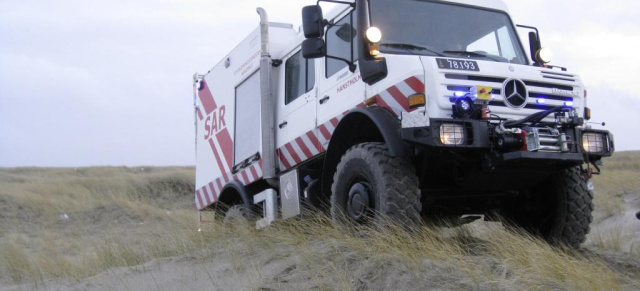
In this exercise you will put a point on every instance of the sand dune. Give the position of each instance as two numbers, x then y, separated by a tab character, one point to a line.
133	229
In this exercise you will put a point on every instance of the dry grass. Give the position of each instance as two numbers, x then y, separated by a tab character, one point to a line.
124	217
620	179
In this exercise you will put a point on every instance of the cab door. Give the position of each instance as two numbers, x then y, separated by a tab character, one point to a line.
339	89
296	107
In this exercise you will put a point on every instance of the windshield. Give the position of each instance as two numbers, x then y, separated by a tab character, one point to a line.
430	28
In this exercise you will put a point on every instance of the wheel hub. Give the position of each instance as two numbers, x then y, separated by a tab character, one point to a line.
358	200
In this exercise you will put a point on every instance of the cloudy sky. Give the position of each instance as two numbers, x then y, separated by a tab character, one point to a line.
108	82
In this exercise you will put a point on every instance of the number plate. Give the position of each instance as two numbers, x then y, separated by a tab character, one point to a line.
463	65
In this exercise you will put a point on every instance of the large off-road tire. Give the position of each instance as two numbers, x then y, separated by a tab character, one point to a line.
237	213
370	185
559	209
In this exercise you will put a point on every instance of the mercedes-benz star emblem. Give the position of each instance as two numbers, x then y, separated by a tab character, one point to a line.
514	93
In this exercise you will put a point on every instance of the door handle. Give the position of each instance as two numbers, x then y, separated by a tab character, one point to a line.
324	99
281	125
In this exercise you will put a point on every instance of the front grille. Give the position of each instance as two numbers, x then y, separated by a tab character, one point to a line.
537	90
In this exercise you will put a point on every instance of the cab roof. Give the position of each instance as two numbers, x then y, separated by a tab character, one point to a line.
492	4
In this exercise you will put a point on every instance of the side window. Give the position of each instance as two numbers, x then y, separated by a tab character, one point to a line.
341	39
299	75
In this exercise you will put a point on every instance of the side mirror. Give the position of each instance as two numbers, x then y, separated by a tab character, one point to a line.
313	21
313	48
534	45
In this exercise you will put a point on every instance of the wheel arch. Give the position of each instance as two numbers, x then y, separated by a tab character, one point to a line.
234	193
366	124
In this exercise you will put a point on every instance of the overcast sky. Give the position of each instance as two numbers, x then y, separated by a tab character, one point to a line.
86	83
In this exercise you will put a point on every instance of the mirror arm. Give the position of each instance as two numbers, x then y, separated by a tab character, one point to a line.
352	4
352	65
530	27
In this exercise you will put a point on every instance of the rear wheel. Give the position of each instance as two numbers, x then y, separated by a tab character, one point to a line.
559	209
370	185
237	213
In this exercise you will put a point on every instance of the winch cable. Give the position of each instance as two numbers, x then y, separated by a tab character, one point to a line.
534	118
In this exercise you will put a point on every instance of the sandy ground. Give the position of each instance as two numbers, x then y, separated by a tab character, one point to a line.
285	268
281	270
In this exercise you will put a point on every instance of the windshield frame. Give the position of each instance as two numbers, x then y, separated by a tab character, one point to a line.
511	24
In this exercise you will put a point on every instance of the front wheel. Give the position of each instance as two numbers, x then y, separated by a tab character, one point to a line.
371	185
559	209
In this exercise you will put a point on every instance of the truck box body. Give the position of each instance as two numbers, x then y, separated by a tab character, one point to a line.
228	116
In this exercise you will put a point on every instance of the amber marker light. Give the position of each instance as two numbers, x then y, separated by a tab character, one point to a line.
371	101
417	100
587	113
374	50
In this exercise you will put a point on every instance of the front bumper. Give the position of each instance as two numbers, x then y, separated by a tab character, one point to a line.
481	136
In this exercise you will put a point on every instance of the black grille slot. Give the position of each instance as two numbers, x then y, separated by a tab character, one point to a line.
474	78
547	85
558	74
557	78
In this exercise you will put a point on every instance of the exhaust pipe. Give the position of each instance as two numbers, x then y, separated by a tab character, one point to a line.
266	104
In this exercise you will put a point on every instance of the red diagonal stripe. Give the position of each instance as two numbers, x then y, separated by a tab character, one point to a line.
415	84
314	140
402	100
199	199
213	191
254	173
218	160
226	144
304	148
246	178
384	104
206	195
325	133
283	159
293	153
200	114
219	184
206	99
334	121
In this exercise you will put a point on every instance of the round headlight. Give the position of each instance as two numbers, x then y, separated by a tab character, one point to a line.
463	107
374	35
544	55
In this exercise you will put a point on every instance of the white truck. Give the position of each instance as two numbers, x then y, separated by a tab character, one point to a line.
406	109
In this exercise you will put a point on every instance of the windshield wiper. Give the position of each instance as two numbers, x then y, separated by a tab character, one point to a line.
410	46
475	54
